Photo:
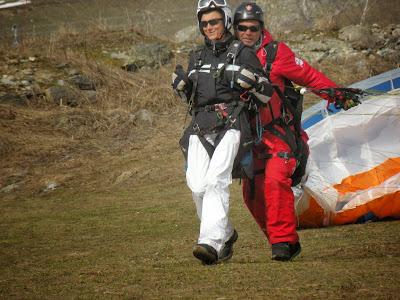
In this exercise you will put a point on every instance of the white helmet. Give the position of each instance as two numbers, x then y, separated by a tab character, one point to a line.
207	5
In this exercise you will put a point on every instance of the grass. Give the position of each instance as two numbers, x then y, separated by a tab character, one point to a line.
122	224
135	243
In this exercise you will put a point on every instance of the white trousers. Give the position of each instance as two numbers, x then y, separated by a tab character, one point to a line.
209	180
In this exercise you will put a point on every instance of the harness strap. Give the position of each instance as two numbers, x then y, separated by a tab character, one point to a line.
230	120
236	112
197	65
210	148
271	50
233	50
289	136
214	107
288	105
282	154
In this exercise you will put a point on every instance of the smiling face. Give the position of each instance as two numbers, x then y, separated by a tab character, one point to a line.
213	32
247	37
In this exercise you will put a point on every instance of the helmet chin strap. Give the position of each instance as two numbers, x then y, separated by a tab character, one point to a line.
220	37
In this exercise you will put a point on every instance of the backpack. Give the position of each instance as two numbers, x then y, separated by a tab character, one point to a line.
293	101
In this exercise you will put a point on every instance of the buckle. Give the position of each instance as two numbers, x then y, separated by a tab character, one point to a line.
196	128
286	117
220	106
230	55
230	120
284	155
208	108
242	96
198	64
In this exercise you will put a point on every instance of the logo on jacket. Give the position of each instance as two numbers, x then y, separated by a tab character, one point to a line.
249	7
299	62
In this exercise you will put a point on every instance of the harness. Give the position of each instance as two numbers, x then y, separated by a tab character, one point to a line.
292	105
225	119
290	92
228	114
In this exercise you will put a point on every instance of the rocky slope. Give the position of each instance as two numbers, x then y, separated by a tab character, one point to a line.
117	125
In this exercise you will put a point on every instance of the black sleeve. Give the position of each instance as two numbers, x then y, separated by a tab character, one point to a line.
191	63
189	88
251	61
248	57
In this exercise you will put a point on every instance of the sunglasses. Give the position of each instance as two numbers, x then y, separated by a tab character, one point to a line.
245	28
206	3
212	22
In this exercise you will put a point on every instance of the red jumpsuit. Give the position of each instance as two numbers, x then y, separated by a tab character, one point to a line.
269	196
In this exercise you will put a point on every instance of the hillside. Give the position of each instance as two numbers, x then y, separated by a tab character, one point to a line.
44	142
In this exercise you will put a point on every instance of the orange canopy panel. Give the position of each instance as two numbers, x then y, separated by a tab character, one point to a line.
354	165
386	206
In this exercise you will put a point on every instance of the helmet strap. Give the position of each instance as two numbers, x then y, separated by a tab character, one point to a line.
222	34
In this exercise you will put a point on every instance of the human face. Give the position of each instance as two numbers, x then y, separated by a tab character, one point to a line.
213	32
247	37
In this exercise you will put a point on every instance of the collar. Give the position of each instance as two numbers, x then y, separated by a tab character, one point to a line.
259	42
219	46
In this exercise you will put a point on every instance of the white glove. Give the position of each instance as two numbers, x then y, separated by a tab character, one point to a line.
256	85
245	78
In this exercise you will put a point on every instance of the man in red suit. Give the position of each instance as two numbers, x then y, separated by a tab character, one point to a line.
269	195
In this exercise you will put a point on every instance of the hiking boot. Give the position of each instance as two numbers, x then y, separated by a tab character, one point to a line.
280	251
285	251
294	250
207	254
227	252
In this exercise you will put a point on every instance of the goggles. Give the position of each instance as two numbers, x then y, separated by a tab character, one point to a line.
207	3
212	22
252	28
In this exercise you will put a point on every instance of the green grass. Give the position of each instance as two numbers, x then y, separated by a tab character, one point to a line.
136	243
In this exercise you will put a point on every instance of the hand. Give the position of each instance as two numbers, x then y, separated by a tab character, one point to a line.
349	104
245	78
346	100
263	86
181	83
179	79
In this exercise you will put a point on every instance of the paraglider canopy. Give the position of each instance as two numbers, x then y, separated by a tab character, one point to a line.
354	164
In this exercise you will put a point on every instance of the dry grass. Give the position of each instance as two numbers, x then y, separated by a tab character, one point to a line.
121	223
44	139
55	138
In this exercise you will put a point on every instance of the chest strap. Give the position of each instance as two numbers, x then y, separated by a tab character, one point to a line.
282	154
215	107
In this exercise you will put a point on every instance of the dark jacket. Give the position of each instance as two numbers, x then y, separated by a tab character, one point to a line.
210	90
